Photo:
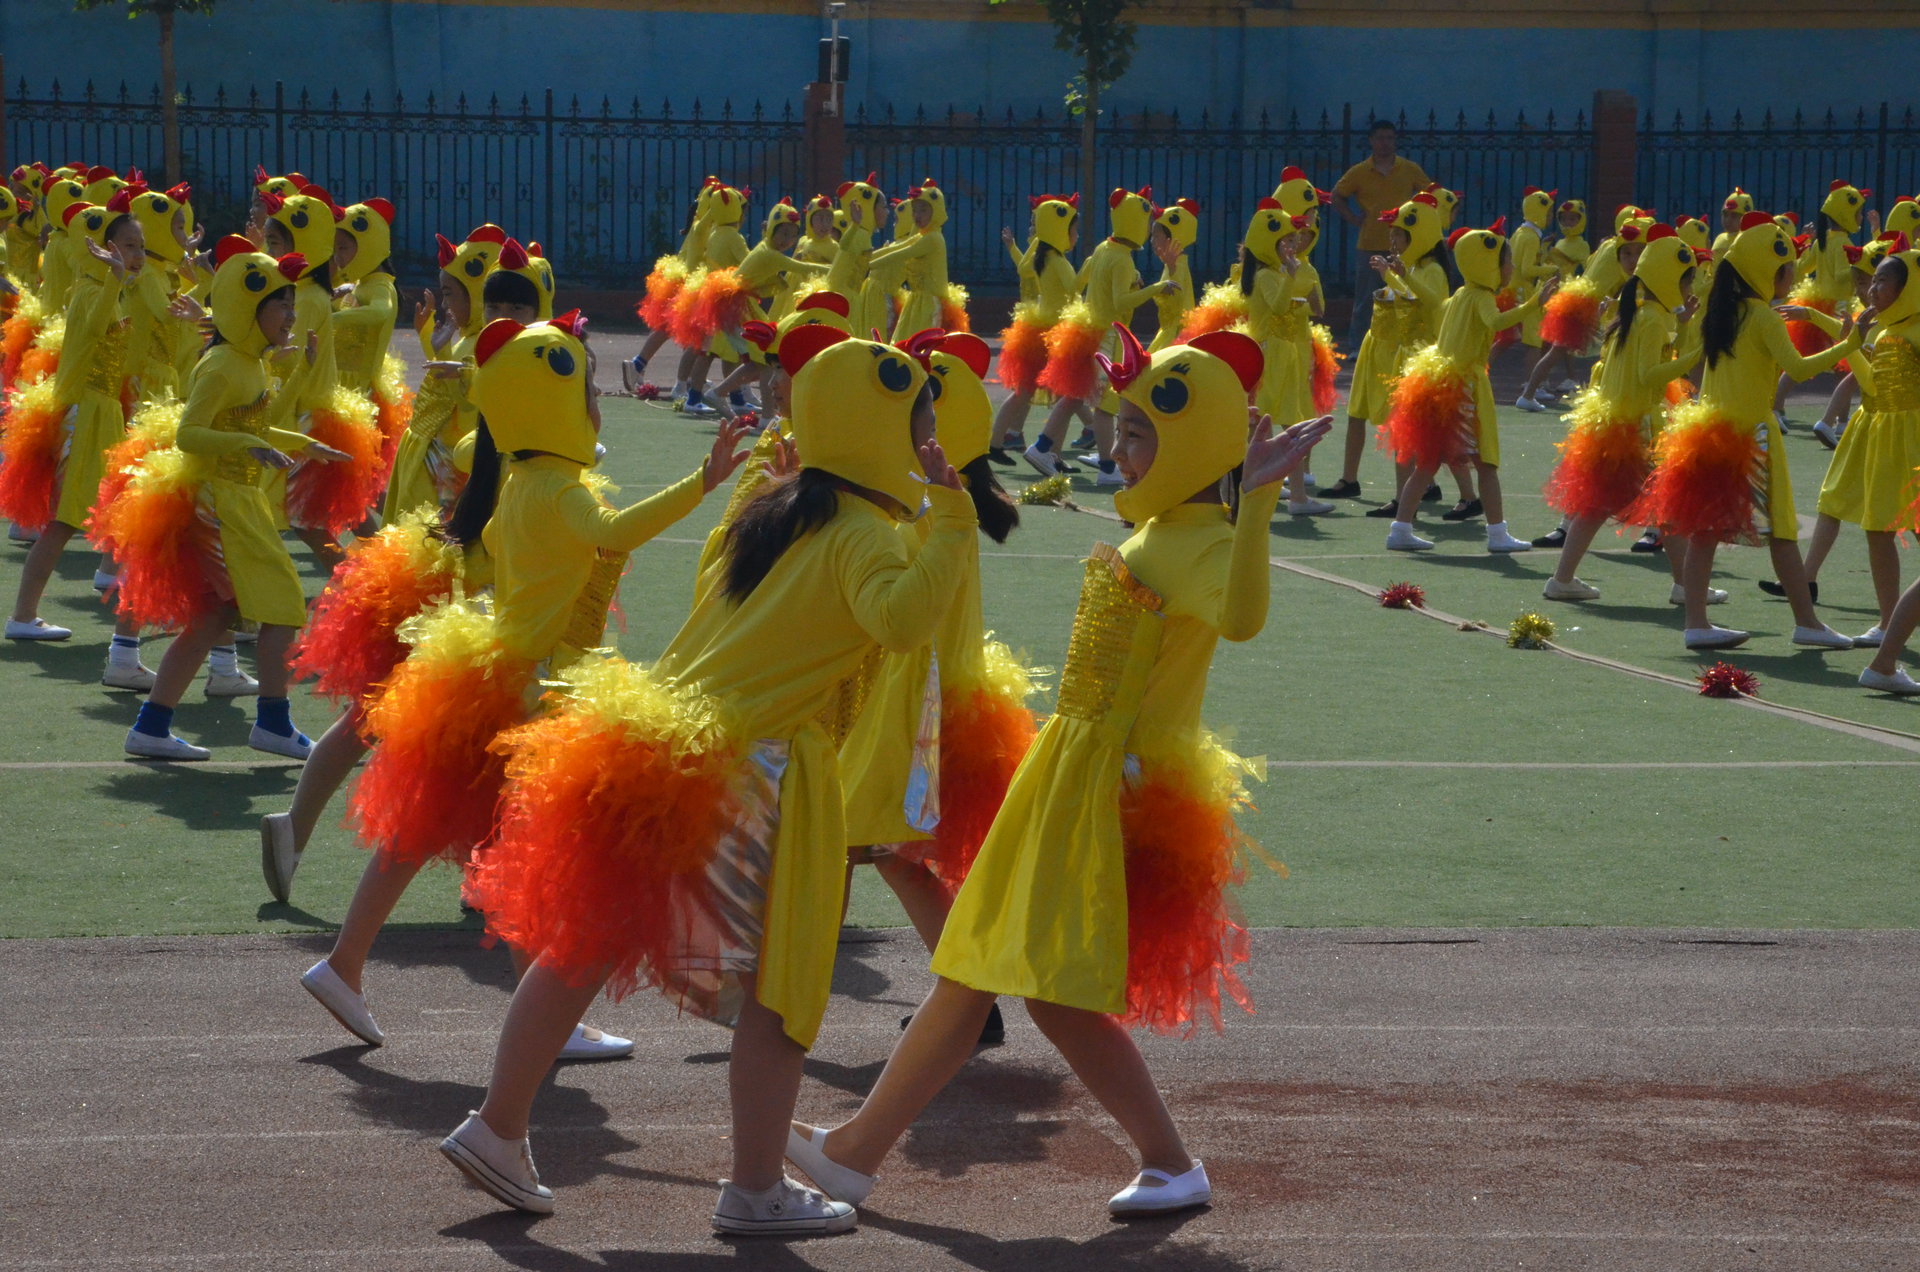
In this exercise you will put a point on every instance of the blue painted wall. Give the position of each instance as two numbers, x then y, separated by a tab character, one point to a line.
371	45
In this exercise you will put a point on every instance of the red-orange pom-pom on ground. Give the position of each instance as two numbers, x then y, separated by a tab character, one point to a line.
1724	680
1404	596
1071	344
1572	317
1023	352
1184	937
337	496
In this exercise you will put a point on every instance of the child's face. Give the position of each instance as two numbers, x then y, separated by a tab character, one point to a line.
1729	220
1135	442
345	248
276	239
522	314
1888	282
785	235
1569	221
1293	240
1073	233
922	214
820	223
1630	255
1399	240
129	243
459	307
275	317
1783	281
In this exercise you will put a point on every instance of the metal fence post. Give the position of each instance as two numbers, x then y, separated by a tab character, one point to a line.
279	127
1880	182
553	230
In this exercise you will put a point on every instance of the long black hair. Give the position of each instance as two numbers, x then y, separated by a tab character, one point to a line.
1726	310
1249	266
1822	226
1628	305
773	521
470	513
997	513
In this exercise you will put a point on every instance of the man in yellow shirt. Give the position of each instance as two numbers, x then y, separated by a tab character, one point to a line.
1383	180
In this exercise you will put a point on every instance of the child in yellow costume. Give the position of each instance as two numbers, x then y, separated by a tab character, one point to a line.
1298	196
53	455
1406	317
861	202
162	345
1023	344
1532	265
1113	292
1608	453
1825	273
23	229
1101	893
1571	323
58	261
818	243
1723	454
1175	231
670	274
1442	408
1283	298
1568	256
557	552
364	319
714	866
194	532
726	249
933	301
426	470
732	297
941	730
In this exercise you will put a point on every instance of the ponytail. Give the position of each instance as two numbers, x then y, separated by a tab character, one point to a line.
469	515
996	511
1629	305
1726	310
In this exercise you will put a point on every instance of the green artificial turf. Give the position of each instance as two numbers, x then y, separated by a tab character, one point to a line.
1333	692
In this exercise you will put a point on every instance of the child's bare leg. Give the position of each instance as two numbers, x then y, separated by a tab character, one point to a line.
1490	499
381	886
1011	418
545	1008
328	766
1102	1054
1792	573
1580	535
1899	625
921	896
181	663
1695	578
1356	446
1883	559
1415	486
763	1082
1463	477
1826	530
38	568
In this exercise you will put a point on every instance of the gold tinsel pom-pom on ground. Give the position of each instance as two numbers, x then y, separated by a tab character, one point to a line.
1530	631
1056	490
1404	596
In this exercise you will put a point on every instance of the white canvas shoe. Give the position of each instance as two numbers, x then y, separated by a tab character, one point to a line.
1899	682
1822	637
138	677
38	629
1555	590
785	1210
1401	538
296	747
499	1166
279	857
148	747
588	1043
1872	638
231	684
1677	595
345	1006
1715	638
842	1183
1154	1192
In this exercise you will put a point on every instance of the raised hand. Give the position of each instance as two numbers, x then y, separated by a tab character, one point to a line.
785	460
725	457
271	457
325	453
1272	456
933	462
187	309
312	350
112	258
423	310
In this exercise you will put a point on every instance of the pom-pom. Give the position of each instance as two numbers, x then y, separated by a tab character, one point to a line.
1530	631
1503	300
1604	461
1572	317
953	309
336	496
1221	307
1326	365
1430	418
31	436
1023	352
749	420
648	391
1071	344
1183	853
1808	338
393	409
1404	596
1056	490
614	806
1703	478
1724	680
720	305
432	786
663	286
155	533
352	640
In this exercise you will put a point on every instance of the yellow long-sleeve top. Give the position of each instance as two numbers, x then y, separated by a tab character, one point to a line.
226	381
1570	252
817	249
849	268
1469	321
1173	307
1111	277
23	251
1603	268
545	532
1739	386
312	312
922	262
57	271
363	330
94	355
1829	274
154	335
766	270
726	248
776	662
1023	269
1531	262
1632	378
1057	287
1426	285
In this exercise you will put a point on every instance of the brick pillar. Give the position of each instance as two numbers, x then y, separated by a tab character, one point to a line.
1616	122
826	141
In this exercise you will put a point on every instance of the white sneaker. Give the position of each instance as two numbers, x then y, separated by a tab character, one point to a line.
786	1209
843	1183
1555	590
1821	637
1899	682
1677	595
1309	508
588	1043
699	410
1780	418
297	747
148	747
1154	1192
1715	637
231	684
1045	462
1828	435
138	677
1568	386
499	1166
1528	405
104	582
38	629
18	533
1872	638
1106	477
1498	540
1401	538
346	1006
279	856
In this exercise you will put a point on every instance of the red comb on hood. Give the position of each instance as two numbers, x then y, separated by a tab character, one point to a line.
920	345
182	193
1292	173
272	202
802	343
573	322
1237	350
230	246
383	208
1133	359
1752	219
970	349
292	265
512	255
495	334
760	334
447	250
834	302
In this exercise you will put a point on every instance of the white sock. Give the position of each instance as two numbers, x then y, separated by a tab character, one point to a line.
1497	530
223	660
679	388
1401	525
124	652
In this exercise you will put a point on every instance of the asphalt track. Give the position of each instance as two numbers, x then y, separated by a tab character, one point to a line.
1452	1100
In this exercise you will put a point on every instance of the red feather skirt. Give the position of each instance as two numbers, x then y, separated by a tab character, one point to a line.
32	434
663	287
352	641
1572	317
1604	463
983	737
1431	420
1703	480
1023	352
336	497
1069	372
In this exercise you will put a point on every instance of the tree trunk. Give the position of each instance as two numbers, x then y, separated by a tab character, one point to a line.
169	113
1088	122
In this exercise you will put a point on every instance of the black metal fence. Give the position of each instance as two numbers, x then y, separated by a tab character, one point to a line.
606	190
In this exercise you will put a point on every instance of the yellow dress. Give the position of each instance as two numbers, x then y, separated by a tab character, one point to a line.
1402	324
88	382
1044	913
425	472
1872	481
775	662
921	261
363	330
1278	317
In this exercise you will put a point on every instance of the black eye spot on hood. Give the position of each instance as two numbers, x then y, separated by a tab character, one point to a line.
1169	397
1779	246
476	267
158	203
297	218
360	224
560	360
896	376
255	280
937	383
